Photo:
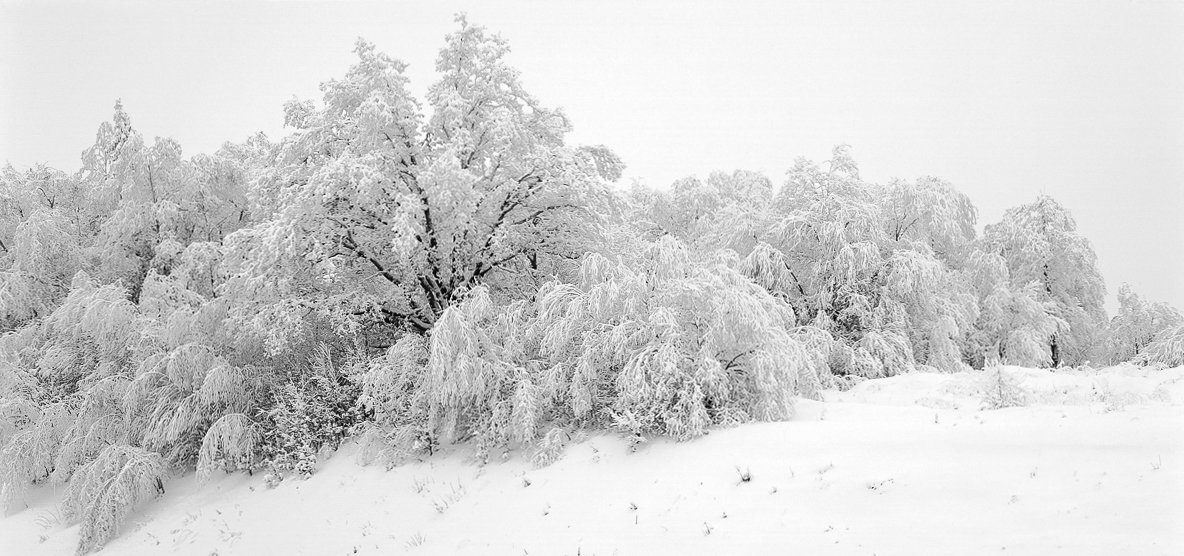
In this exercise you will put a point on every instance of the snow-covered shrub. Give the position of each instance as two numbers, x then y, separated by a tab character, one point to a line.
389	388
290	438
44	257
663	343
1167	348
231	443
1145	332
550	447
97	423
64	377
667	345
473	371
177	395
374	446
1001	389
469	378
16	414
103	492
305	417
28	456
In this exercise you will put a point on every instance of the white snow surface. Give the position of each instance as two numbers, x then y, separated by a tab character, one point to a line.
1093	464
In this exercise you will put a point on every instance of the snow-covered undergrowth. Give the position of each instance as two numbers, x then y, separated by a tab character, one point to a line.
1090	462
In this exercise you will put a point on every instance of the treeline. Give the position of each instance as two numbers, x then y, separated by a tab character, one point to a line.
419	273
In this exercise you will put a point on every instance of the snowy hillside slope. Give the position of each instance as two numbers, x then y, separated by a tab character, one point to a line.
1092	464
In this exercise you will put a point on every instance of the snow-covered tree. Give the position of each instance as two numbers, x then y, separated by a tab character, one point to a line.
828	231
147	202
1040	243
668	343
450	269
1138	324
868	264
67	365
40	188
106	490
660	341
1167	348
930	212
44	257
383	215
1015	323
723	210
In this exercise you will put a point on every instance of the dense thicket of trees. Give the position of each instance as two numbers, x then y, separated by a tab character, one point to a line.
451	269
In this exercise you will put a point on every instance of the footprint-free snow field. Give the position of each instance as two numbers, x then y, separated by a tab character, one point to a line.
1091	463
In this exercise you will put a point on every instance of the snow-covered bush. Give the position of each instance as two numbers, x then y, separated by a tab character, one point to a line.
232	443
105	491
27	458
660	343
874	266
64	379
176	396
1143	331
1167	348
305	416
1000	389
668	345
468	379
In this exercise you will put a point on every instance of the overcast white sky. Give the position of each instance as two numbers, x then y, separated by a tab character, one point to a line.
1083	101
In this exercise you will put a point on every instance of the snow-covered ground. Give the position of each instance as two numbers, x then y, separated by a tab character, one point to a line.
1094	464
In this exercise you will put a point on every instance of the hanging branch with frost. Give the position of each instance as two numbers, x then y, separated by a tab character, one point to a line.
104	492
1167	348
465	380
175	397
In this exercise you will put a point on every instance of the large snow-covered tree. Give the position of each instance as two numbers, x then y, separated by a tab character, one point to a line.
1040	243
378	214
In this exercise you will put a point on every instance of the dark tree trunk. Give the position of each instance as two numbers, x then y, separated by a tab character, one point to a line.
1056	352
